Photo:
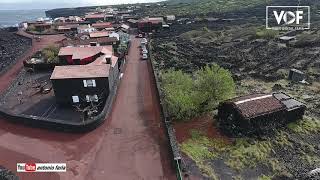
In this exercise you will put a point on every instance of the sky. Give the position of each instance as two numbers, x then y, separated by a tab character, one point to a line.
50	4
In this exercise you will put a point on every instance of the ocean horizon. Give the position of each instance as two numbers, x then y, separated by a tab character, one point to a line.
10	18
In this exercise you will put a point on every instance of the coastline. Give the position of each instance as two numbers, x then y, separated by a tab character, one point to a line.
12	18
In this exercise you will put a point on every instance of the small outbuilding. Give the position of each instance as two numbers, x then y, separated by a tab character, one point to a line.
258	113
296	75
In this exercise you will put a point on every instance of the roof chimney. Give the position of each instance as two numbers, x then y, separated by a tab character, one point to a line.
108	59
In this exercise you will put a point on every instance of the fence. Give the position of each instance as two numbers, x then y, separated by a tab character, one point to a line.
174	147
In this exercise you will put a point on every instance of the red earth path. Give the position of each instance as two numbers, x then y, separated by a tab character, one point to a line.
130	145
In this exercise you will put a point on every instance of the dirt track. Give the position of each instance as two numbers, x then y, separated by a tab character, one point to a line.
130	145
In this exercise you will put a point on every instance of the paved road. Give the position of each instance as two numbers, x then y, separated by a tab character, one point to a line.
130	145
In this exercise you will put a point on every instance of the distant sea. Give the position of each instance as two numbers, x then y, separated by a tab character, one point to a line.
14	17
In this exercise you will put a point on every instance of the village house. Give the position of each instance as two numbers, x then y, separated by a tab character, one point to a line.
83	55
86	83
133	23
102	25
63	29
94	18
103	41
150	24
85	29
259	113
80	83
99	34
125	28
170	18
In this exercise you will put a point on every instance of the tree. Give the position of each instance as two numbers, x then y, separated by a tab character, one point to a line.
188	97
50	53
179	94
214	84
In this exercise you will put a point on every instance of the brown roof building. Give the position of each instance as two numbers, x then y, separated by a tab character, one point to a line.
259	112
103	41
74	84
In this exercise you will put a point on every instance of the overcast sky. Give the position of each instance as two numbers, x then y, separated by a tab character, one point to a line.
50	4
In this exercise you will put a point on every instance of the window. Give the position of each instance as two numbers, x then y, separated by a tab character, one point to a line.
75	99
92	98
89	83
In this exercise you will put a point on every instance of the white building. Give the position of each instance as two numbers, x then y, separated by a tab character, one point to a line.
85	29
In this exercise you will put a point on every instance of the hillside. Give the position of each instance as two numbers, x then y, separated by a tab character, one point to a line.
203	7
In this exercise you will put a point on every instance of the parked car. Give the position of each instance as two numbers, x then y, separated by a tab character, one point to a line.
144	40
144	51
139	36
144	56
143	43
143	47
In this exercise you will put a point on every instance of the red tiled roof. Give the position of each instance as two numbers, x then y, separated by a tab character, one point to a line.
254	105
94	16
84	52
99	34
80	71
87	41
102	25
102	60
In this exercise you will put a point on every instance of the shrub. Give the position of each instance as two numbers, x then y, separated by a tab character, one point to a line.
179	94
266	33
50	53
214	84
187	98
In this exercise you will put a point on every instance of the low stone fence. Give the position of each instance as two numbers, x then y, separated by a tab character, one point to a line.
62	125
174	147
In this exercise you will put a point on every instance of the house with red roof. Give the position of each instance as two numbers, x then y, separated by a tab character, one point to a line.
89	82
102	25
259	113
83	55
150	24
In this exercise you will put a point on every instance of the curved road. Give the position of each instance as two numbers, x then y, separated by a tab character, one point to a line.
130	145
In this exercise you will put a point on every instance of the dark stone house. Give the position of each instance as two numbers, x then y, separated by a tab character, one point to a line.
258	113
75	84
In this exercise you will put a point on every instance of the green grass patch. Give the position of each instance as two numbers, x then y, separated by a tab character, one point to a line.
307	125
200	148
263	33
244	154
203	36
311	159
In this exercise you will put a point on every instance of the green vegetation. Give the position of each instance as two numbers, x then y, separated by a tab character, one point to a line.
264	177
204	6
244	154
306	39
200	149
31	28
203	36
305	126
311	159
50	54
263	33
187	97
